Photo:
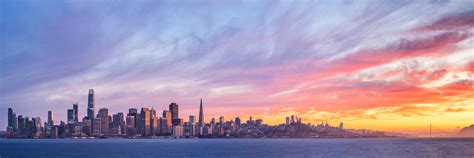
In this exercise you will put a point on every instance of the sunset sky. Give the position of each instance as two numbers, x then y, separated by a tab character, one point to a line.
380	65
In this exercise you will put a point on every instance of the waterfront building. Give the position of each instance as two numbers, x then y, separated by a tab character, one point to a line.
178	131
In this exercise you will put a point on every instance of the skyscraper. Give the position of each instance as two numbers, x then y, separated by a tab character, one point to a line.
201	115
96	123
237	121
21	124
15	122
167	117
130	121
104	120
118	122
12	120
192	119
174	110
134	112
221	120
153	122
91	105
50	118
70	116
173	107
75	107
145	121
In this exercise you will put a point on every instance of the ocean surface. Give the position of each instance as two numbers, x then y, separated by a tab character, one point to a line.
150	148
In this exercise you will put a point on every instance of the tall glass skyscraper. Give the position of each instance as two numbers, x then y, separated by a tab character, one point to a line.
75	107
174	110
174	113
91	104
50	118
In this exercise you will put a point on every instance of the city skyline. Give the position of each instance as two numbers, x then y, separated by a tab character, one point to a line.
385	65
73	114
149	124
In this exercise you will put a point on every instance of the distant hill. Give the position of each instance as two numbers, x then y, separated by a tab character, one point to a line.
466	131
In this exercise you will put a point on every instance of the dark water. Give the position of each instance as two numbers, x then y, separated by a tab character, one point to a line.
238	148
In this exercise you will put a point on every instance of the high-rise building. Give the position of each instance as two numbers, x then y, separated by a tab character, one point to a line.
173	107
130	122
15	122
164	130
104	118
201	115
192	119
153	121
36	127
167	117
178	131
87	126
91	105
238	121
118	122
221	120
287	120
10	117
50	118
154	126
21	124
96	126
70	116
134	112
145	122
259	122
75	107
12	121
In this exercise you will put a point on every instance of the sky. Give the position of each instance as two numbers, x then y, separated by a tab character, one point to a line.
379	65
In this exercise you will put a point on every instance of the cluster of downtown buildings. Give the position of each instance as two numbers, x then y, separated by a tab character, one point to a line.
147	124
